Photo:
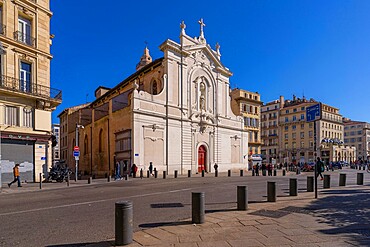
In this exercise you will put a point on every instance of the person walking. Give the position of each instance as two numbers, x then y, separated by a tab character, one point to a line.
17	178
118	171
257	169
319	168
151	168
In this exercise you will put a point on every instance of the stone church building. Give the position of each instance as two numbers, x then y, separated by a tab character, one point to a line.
174	111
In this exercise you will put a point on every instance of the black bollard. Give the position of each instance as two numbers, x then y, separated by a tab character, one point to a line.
141	173
109	178
89	180
363	167
216	173
203	173
189	173
310	184
253	172
68	178
275	172
271	191
40	180
198	208
148	174
293	188
155	174
241	173
242	197
284	172
126	176
326	181
342	179
360	178
229	173
175	175
164	174
123	223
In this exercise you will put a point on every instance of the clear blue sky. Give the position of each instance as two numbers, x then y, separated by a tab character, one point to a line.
317	48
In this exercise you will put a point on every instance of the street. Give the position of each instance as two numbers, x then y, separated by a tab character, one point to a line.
83	214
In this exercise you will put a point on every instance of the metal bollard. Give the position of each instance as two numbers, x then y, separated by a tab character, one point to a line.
148	174
89	180
242	197
189	173
155	174
229	173
40	180
203	173
293	188
271	191
275	172
68	179
363	167
109	178
342	179
284	172
175	175
123	223
241	173
326	181
164	174
310	184
216	173
141	173
253	172
360	178
198	208
126	176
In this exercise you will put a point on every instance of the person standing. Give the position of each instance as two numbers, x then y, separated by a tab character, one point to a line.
17	178
151	168
118	171
257	169
319	168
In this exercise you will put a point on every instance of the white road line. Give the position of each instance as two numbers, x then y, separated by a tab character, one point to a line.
90	202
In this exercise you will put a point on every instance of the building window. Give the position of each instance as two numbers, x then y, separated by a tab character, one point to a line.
294	127
286	128
294	135
101	141
286	119
302	116
11	115
302	134
294	118
24	31
25	77
245	108
302	126
287	111
27	117
286	136
302	144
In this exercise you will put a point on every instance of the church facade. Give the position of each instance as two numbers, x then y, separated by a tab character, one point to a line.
174	112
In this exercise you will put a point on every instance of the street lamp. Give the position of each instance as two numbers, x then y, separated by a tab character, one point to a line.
78	126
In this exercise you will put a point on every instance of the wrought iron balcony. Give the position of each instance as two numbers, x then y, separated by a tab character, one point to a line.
25	38
27	87
2	29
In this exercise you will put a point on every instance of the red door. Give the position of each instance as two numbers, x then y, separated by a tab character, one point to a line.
201	159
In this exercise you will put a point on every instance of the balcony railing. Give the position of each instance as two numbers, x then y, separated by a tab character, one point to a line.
2	29
25	38
28	87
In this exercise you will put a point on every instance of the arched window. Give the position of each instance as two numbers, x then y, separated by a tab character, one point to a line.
86	145
101	141
154	88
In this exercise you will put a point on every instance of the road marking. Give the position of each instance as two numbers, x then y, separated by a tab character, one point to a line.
91	202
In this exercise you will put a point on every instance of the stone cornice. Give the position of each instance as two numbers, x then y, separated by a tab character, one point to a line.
173	46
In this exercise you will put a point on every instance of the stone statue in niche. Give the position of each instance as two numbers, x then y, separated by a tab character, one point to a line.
202	98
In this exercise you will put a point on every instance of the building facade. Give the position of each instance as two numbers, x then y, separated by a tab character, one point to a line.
357	134
55	129
248	105
26	98
174	111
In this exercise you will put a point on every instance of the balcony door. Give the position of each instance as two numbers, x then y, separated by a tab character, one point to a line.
24	29
25	77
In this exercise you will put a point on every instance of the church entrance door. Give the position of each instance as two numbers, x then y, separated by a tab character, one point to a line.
202	154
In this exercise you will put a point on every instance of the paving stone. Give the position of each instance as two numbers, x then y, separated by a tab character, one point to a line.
162	235
214	244
267	221
296	232
249	222
189	239
245	243
214	237
145	239
267	227
275	241
301	239
230	224
186	245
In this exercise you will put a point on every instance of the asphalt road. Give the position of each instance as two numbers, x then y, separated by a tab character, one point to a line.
85	214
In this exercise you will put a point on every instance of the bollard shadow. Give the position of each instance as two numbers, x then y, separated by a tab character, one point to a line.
347	213
160	224
91	244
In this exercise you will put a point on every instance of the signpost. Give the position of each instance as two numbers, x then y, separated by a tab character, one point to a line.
313	113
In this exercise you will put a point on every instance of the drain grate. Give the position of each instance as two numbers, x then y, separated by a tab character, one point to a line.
270	213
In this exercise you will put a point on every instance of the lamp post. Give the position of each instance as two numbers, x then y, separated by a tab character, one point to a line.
78	126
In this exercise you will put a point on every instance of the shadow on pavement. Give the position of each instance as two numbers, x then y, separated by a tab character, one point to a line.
348	212
160	224
92	244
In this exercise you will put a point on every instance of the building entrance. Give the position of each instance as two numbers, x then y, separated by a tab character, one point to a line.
202	154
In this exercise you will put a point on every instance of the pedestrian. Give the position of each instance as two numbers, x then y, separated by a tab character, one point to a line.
319	168
257	169
117	171
151	168
133	170
269	169
17	178
216	167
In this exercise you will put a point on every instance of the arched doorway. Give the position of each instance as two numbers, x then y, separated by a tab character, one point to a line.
202	158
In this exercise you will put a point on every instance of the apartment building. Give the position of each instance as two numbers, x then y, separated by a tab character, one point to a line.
26	98
357	133
248	105
55	128
270	130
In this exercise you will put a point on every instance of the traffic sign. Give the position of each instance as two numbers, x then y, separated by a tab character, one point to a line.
313	113
76	148
76	153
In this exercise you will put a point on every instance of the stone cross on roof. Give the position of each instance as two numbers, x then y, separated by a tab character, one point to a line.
202	24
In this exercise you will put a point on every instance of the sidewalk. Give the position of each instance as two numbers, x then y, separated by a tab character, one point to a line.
339	217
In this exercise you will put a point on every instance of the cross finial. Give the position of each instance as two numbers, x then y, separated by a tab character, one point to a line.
182	26
146	43
201	23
